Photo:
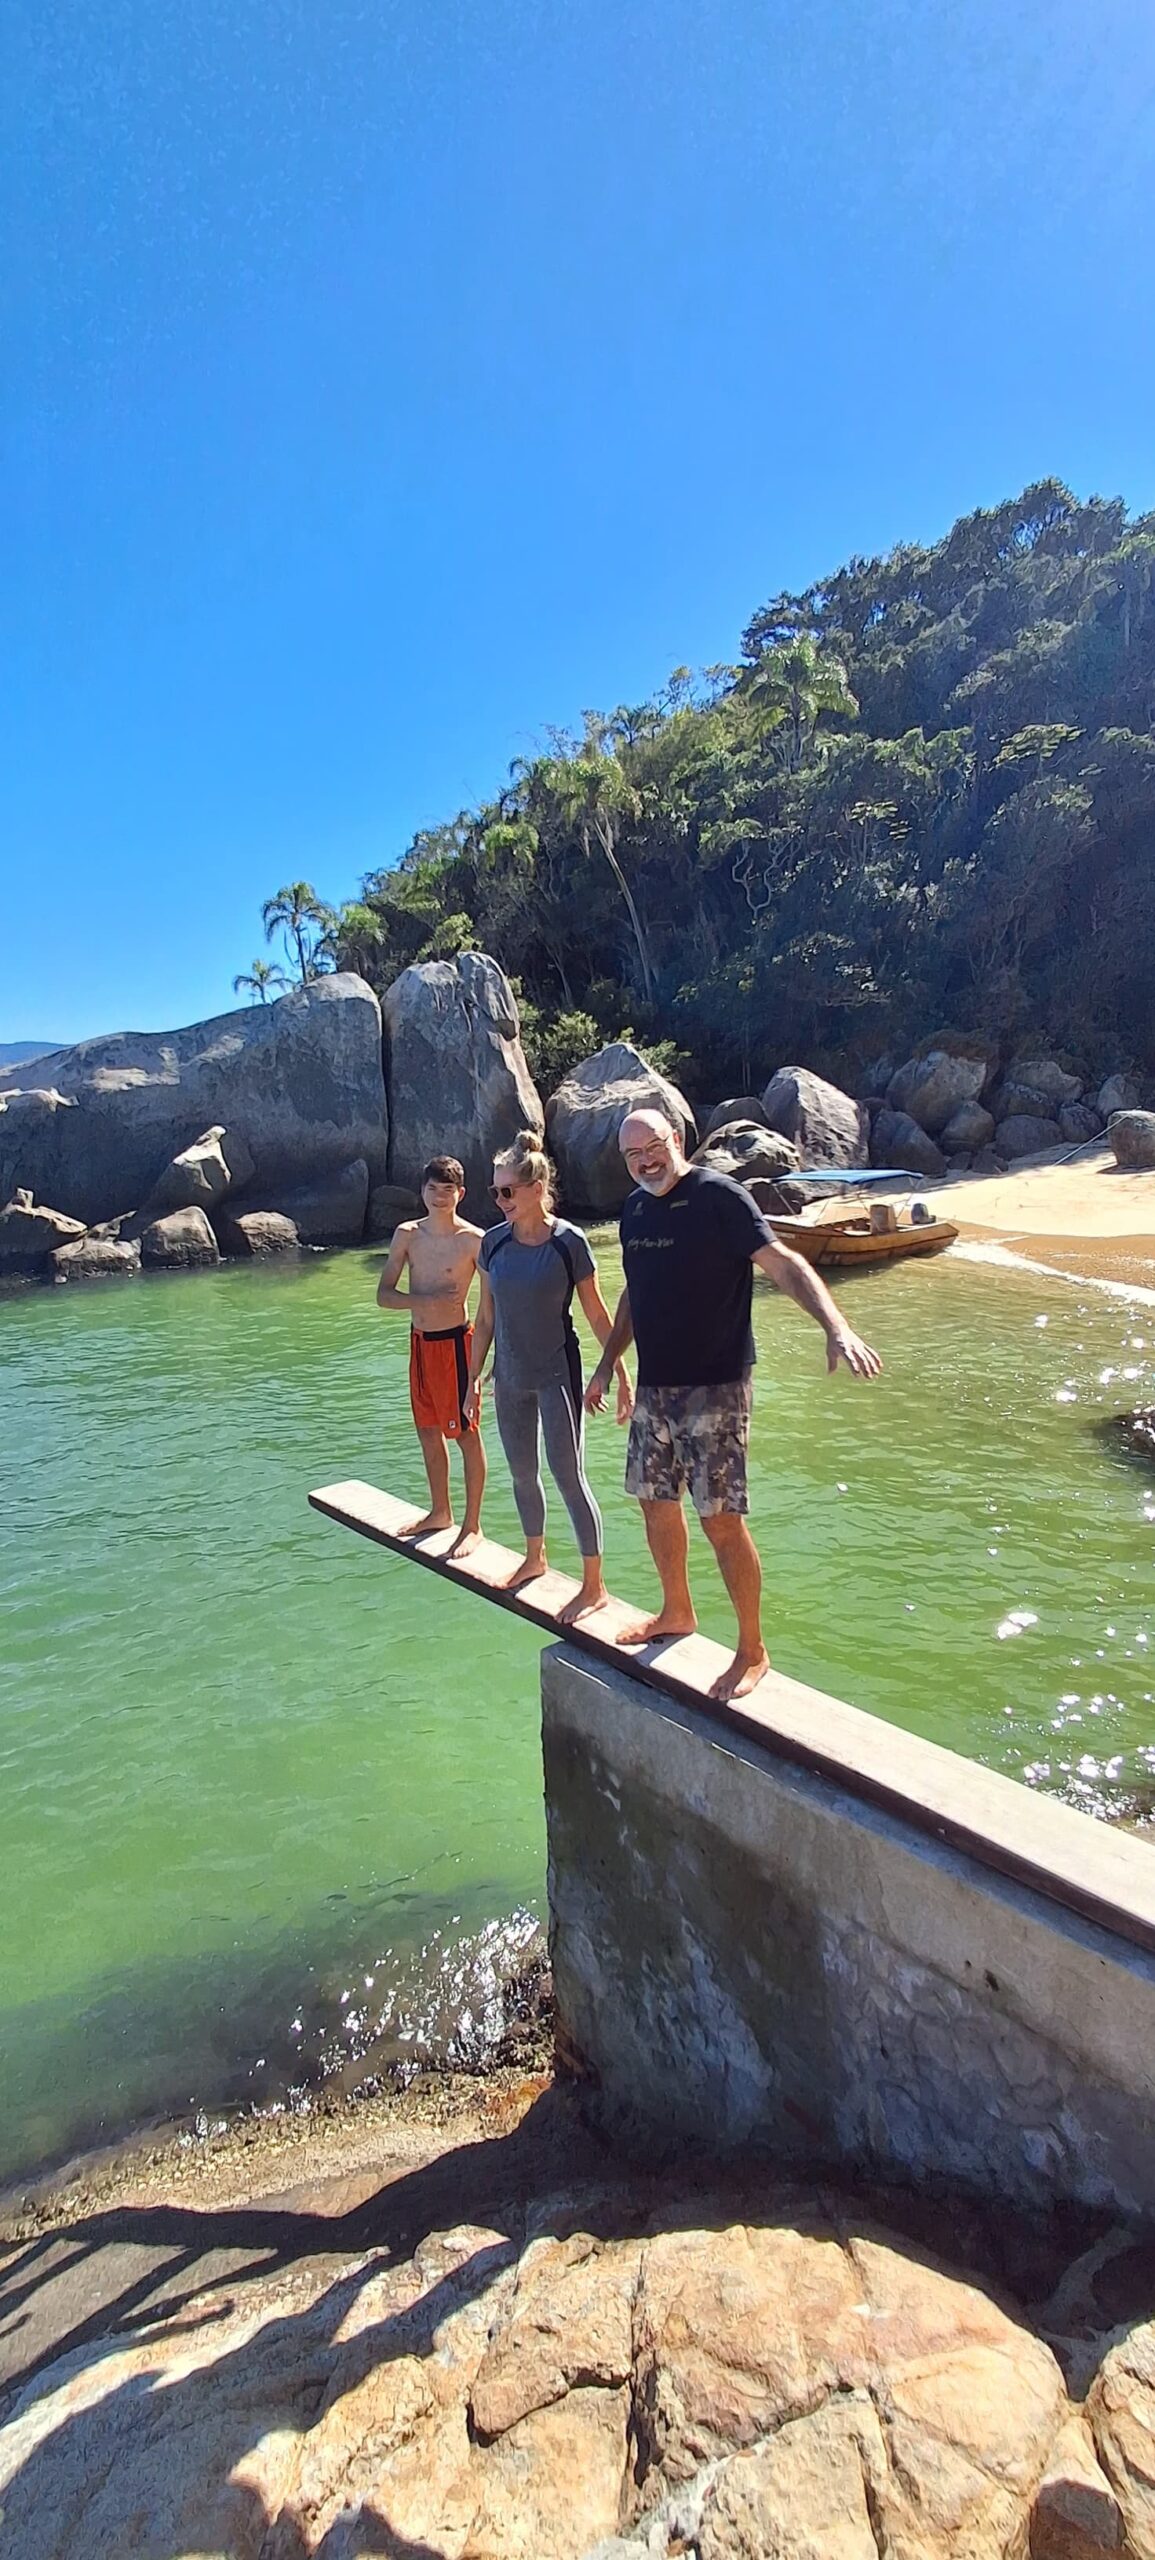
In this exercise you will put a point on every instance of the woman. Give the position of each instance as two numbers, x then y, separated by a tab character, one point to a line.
529	1270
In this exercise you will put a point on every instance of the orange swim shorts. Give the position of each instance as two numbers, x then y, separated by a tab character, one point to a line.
439	1379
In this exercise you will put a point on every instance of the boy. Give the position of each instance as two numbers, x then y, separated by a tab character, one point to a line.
441	1253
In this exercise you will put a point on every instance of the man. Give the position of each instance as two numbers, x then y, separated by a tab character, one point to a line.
690	1240
440	1251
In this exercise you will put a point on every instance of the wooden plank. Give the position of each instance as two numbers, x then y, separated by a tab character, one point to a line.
1104	1875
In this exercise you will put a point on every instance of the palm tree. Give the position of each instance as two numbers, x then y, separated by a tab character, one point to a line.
294	911
260	979
793	686
591	792
354	938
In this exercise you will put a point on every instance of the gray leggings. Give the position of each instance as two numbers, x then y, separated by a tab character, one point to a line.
518	1411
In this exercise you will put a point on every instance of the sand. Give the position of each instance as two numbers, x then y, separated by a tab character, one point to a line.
1086	1218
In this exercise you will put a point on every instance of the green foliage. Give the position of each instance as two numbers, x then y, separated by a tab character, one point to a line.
926	794
306	926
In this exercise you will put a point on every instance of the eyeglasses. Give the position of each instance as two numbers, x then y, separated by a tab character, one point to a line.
506	1190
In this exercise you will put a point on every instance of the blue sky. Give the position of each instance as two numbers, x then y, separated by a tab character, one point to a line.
383	384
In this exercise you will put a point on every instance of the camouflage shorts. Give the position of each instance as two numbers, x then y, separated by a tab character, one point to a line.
691	1440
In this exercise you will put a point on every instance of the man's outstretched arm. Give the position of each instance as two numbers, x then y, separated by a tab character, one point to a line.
799	1280
621	1336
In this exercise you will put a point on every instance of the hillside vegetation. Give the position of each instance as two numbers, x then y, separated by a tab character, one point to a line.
925	797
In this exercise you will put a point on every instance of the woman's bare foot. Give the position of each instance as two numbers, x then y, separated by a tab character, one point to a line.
657	1630
530	1569
429	1520
465	1544
741	1675
593	1595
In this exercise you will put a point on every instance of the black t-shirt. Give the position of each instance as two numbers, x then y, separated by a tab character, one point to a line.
688	1271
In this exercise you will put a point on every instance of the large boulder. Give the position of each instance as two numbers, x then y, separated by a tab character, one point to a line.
1131	1138
968	1128
897	1140
458	1081
253	1235
201	1174
1079	1123
300	1081
97	1258
390	1203
330	1210
1025	1134
585	1115
1015	1100
745	1151
1119	1093
183	1241
1043	1075
932	1089
28	1234
823	1123
742	1106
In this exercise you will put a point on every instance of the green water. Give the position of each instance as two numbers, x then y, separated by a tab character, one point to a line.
268	1796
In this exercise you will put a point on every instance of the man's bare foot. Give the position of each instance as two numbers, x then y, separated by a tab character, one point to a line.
583	1605
526	1572
657	1630
741	1675
465	1544
429	1520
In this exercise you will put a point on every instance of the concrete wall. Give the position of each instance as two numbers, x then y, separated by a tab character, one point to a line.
749	1957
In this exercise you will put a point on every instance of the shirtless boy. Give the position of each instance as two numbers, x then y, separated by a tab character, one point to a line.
440	1253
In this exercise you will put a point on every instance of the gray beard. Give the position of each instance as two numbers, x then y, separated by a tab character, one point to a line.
656	1190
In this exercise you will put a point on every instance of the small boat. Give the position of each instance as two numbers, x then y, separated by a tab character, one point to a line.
846	1241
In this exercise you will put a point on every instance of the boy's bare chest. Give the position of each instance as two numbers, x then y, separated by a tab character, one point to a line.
442	1262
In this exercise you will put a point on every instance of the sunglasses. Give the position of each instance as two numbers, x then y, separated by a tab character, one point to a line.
506	1190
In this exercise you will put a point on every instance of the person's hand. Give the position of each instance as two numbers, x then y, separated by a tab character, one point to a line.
842	1344
595	1394
472	1405
625	1405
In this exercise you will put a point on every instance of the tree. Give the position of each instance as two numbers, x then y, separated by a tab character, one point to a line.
303	919
260	980
793	686
592	793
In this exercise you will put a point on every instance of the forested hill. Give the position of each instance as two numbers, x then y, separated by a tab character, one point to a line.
924	798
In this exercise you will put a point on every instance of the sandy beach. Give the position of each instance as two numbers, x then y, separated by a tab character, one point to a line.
1087	1220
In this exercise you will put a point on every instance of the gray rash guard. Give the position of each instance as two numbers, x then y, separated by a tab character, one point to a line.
532	1285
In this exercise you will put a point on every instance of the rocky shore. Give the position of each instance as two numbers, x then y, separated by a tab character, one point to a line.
448	2324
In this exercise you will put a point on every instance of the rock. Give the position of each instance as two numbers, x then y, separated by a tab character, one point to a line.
960	1162
824	1124
1025	1135
254	1234
458	1081
97	1258
1041	1075
752	2390
585	1114
931	1089
1015	1100
968	1128
898	1140
746	1152
987	1163
299	1081
201	1174
1079	1122
29	1234
330	1210
1119	1093
181	1242
1131	1138
1121	2417
1137	1430
743	1107
1076	2514
390	1203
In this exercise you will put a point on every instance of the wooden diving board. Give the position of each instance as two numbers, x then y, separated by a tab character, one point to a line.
1102	1874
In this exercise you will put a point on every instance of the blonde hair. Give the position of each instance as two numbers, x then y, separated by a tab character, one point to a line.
527	1161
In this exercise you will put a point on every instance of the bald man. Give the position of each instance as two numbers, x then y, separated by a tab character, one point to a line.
690	1240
